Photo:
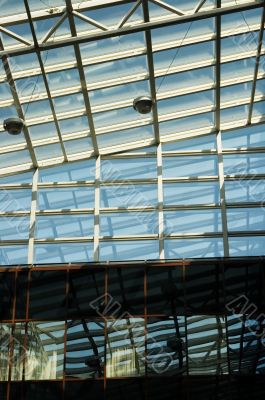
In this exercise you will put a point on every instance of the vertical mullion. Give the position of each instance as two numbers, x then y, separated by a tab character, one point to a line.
32	222
256	69
150	62
96	210
217	127
82	77
222	194
160	203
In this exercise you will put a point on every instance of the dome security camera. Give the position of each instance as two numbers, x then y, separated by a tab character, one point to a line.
13	126
143	104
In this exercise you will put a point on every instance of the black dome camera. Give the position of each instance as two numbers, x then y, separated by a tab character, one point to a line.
13	125
143	104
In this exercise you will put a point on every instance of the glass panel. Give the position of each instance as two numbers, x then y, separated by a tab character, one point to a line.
15	200
80	171
66	198
199	221
131	168
63	79
166	346
133	223
85	349
43	131
77	146
245	191
112	45
119	116
86	293
193	248
7	285
185	55
184	125
241	43
246	246
207	142
14	228
47	295
5	330
144	134
242	67
125	250
45	351
189	166
243	164
177	32
64	226
185	80
13	255
236	92
128	195
185	103
244	338
207	345
244	219
69	103
125	292
63	253
191	193
246	137
5	358
122	93
74	125
125	348
49	151
116	69
17	178
15	158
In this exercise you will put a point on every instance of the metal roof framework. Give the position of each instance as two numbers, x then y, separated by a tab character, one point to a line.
111	137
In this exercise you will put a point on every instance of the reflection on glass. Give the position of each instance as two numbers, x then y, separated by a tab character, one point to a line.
85	349
207	345
125	348
31	352
166	346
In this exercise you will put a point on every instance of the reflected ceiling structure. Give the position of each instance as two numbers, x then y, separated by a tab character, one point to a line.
72	69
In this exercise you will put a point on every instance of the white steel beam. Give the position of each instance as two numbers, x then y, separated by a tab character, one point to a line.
32	222
257	64
161	227
97	209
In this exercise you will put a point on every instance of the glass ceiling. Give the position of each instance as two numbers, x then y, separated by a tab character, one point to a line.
184	181
72	69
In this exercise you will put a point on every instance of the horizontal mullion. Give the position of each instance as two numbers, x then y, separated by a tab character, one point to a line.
245	204
117	210
89	239
245	177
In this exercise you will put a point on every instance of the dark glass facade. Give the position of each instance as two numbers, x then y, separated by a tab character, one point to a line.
133	330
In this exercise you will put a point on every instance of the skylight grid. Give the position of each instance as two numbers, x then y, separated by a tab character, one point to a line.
76	94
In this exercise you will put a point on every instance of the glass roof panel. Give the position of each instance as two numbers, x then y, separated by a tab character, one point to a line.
72	75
